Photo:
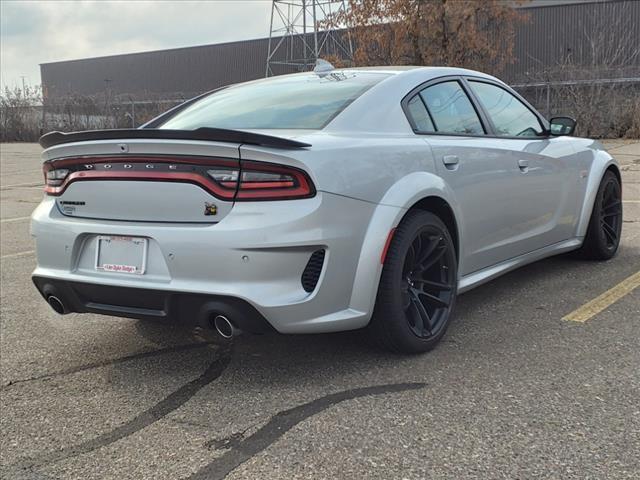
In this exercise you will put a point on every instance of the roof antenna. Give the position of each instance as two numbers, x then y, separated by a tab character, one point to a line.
322	66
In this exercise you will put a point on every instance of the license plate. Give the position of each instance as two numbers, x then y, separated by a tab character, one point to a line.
121	254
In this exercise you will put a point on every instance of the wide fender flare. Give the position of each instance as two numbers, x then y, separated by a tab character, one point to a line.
601	163
395	204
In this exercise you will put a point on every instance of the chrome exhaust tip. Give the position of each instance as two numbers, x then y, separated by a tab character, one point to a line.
224	327
56	304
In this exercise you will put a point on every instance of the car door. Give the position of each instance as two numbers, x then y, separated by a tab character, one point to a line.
544	190
491	186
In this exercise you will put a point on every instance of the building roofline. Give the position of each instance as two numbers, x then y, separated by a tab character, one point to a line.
162	50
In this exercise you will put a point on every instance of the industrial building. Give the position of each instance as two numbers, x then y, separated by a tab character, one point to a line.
554	31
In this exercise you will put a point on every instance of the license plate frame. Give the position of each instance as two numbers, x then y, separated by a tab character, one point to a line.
139	267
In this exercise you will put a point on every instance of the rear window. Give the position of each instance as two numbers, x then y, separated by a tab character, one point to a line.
300	101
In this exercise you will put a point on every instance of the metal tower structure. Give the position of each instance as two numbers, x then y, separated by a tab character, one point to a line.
295	39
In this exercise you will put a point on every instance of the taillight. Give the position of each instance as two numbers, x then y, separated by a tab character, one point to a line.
224	178
259	181
54	178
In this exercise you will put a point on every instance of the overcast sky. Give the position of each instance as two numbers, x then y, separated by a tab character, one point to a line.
35	32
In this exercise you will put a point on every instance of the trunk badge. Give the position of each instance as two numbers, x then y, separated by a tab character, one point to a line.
210	209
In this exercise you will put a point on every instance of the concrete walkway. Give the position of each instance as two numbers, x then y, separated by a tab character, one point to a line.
625	151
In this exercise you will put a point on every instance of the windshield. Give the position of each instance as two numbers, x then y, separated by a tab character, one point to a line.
297	101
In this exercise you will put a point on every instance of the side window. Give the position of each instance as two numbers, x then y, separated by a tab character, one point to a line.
419	114
509	115
451	109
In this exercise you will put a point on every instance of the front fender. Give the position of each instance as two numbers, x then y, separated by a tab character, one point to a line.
396	202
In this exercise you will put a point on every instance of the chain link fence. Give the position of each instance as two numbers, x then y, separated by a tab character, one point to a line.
604	108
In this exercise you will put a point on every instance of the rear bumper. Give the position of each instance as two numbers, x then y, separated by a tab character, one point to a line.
255	256
160	305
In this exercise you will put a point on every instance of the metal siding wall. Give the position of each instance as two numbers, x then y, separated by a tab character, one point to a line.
185	71
554	32
542	42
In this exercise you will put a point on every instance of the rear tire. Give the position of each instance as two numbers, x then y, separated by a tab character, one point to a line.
605	225
418	286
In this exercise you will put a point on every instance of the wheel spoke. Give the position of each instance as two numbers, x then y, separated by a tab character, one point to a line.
426	252
425	319
612	209
417	245
609	232
430	262
417	322
439	286
410	260
433	298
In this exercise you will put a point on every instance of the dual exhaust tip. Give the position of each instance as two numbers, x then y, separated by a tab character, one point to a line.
222	324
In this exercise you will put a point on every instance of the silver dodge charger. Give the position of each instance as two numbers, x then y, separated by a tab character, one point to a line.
324	201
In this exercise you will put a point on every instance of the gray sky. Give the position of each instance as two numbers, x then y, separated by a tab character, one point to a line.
35	32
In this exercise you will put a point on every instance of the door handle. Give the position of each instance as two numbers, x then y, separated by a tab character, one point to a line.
523	164
450	161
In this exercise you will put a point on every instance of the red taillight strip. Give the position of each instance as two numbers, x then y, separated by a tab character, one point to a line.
300	187
209	185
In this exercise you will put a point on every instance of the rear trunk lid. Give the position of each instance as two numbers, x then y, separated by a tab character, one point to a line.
158	175
144	180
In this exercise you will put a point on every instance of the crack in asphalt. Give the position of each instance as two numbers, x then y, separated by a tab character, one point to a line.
161	409
241	451
106	363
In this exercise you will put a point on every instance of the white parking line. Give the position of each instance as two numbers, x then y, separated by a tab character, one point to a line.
19	254
11	220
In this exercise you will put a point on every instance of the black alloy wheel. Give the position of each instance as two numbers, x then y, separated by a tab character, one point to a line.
418	286
611	213
605	225
428	283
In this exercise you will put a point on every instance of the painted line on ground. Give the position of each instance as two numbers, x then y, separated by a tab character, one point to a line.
19	254
19	172
601	302
21	185
11	220
631	201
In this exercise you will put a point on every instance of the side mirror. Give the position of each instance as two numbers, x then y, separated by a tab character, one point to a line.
562	126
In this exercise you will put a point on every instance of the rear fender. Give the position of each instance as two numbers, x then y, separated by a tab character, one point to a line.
395	204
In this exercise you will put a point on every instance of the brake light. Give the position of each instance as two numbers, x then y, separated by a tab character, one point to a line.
224	178
257	181
260	181
54	178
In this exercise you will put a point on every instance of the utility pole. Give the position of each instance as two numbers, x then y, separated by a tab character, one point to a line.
295	40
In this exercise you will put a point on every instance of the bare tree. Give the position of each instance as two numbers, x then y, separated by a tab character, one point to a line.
469	33
19	113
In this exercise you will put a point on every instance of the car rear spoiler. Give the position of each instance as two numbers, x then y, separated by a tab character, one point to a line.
206	134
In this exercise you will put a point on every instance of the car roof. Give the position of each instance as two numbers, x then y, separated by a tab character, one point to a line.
426	72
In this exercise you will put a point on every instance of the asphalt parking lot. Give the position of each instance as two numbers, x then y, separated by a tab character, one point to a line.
514	391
